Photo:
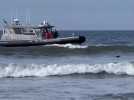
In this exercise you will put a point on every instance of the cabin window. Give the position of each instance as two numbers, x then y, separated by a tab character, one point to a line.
18	30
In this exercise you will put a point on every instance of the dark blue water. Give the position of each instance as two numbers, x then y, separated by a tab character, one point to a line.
102	68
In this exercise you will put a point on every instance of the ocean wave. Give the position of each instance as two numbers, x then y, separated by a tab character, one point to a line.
42	70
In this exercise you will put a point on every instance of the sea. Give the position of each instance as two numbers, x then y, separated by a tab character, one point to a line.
102	68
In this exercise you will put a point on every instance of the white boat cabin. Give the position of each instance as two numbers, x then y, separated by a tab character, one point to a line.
17	31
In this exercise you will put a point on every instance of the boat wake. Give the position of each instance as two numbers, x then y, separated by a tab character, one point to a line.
43	70
71	46
66	49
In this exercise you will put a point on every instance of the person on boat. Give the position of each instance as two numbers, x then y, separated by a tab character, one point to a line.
47	33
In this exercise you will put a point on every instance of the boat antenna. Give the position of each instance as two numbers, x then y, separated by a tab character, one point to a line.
11	18
28	16
16	13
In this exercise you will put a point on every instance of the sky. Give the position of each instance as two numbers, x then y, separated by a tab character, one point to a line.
73	14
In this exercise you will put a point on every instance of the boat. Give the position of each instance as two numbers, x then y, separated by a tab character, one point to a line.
19	35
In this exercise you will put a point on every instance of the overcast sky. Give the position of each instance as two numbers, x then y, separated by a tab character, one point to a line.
73	14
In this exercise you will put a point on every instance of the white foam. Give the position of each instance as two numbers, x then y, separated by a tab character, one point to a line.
18	70
71	46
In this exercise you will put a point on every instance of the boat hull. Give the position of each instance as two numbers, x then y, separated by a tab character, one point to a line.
25	43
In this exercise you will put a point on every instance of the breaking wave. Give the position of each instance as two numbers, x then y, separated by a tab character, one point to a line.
42	70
